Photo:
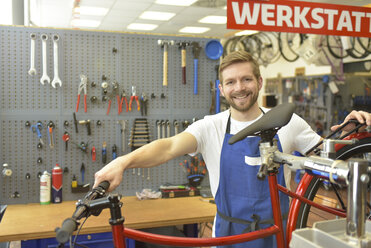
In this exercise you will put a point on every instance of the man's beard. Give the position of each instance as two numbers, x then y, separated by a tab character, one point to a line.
244	108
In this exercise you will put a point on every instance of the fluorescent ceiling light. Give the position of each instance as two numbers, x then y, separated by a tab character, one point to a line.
176	2
156	15
85	23
214	19
194	30
142	26
6	16
246	32
87	10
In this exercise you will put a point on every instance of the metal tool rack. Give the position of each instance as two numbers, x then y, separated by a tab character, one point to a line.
129	59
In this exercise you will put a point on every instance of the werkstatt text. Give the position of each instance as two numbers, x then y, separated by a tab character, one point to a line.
299	17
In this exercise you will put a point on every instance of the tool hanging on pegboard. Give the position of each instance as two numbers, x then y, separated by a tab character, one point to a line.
140	136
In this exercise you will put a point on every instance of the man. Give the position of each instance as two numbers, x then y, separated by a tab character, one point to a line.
239	196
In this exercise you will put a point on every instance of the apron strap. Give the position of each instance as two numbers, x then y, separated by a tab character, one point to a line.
251	225
228	128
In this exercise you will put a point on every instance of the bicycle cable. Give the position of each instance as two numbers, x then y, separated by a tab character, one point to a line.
333	133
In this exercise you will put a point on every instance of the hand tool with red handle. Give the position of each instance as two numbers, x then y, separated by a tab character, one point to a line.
182	46
134	96
123	98
82	86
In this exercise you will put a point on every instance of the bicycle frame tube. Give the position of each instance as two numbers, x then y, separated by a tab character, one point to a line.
295	206
276	229
118	238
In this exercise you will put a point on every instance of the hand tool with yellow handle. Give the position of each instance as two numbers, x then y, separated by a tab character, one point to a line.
165	44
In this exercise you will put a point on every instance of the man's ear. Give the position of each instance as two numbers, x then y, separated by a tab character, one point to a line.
220	88
260	83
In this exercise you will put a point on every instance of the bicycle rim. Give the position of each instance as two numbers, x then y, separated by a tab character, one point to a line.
307	215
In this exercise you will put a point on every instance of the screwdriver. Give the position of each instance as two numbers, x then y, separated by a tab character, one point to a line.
114	152
82	171
104	153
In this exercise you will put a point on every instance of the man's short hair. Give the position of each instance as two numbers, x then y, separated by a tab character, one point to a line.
239	57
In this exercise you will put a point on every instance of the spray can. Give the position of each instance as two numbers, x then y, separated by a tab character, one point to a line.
45	188
57	183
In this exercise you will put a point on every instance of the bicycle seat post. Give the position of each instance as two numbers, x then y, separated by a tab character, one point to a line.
358	181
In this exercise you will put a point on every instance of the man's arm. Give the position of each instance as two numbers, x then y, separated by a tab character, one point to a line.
155	153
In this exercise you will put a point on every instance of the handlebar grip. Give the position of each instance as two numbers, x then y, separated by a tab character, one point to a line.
68	227
262	172
104	185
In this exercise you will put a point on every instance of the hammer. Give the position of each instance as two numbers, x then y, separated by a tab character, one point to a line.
182	46
164	44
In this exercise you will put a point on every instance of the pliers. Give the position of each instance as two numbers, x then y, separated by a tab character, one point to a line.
143	102
115	88
82	86
134	96
123	98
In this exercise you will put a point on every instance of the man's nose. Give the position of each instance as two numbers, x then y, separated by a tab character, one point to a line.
239	85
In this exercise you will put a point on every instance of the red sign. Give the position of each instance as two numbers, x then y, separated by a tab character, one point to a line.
299	17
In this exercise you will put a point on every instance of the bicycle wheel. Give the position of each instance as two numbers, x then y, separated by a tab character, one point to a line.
308	215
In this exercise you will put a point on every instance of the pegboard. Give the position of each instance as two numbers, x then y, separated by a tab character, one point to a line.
128	59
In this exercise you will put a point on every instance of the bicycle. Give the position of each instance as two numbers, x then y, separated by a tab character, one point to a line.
336	171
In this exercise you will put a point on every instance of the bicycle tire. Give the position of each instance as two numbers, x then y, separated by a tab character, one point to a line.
285	46
335	47
349	151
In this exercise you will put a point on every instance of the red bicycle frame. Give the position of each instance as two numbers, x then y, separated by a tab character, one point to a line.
119	233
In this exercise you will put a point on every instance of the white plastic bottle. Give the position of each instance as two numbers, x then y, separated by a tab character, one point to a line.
45	188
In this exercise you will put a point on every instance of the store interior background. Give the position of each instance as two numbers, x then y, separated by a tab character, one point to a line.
119	14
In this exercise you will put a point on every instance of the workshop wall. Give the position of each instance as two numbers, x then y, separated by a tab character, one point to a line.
129	59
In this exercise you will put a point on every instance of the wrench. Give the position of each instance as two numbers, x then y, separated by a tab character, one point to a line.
32	70
45	77
56	79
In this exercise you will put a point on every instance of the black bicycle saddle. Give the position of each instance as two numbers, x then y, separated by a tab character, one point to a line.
276	118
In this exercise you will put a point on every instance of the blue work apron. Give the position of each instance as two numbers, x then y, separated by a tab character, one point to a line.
242	200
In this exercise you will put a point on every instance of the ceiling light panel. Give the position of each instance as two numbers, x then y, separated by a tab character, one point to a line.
156	15
214	19
176	2
142	26
194	30
88	10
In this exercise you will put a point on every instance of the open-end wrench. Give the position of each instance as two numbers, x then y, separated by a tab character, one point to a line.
44	78
56	79
168	128
176	127
32	70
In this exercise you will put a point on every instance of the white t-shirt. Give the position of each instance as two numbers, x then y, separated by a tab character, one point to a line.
209	132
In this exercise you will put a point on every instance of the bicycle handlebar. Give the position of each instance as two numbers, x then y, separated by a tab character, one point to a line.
70	225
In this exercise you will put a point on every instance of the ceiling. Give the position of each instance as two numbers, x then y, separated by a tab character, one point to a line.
58	14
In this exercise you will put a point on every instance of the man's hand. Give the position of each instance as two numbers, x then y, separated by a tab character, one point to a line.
112	173
360	116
